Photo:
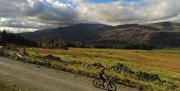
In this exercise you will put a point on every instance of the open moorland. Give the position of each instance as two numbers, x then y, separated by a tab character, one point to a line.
142	69
167	60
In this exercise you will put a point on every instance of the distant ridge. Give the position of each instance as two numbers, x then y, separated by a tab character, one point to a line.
166	34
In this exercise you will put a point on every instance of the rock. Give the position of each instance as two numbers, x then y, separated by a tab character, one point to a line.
51	57
123	68
147	76
97	65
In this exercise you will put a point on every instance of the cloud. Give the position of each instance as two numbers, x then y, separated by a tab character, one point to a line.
36	14
121	11
39	14
34	8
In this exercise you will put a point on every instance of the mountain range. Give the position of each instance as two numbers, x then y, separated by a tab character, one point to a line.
165	34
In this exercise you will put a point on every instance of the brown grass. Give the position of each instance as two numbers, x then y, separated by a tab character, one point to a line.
163	60
168	62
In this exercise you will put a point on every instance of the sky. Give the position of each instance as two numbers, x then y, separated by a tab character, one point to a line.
32	15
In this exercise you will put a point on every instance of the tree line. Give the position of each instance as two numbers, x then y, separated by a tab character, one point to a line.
140	46
7	38
54	43
58	43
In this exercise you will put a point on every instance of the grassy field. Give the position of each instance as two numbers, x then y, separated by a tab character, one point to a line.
165	63
164	60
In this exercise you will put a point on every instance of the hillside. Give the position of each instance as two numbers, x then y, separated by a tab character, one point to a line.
166	25
165	34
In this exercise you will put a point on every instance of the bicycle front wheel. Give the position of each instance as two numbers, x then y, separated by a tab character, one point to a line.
111	87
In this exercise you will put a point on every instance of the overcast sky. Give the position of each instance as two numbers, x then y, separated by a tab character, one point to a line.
30	15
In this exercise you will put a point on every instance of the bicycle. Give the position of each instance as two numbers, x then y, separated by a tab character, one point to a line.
109	84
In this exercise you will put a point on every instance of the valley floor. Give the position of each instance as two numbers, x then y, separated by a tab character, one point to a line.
165	63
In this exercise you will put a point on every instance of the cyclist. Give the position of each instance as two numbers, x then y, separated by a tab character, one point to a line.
102	75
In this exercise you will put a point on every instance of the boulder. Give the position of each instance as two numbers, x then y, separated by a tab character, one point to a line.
51	57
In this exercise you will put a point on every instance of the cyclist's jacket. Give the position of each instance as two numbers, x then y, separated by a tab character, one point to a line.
102	75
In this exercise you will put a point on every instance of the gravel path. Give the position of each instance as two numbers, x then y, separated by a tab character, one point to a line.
38	78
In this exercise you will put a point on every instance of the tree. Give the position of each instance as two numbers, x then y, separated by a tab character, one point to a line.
11	38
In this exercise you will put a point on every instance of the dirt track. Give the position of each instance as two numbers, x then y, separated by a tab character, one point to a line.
38	78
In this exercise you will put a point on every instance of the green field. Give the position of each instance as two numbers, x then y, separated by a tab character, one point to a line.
164	63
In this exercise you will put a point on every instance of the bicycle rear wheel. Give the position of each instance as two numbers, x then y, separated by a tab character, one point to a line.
97	83
111	87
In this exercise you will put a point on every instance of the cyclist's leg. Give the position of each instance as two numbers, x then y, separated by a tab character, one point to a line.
104	82
103	79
